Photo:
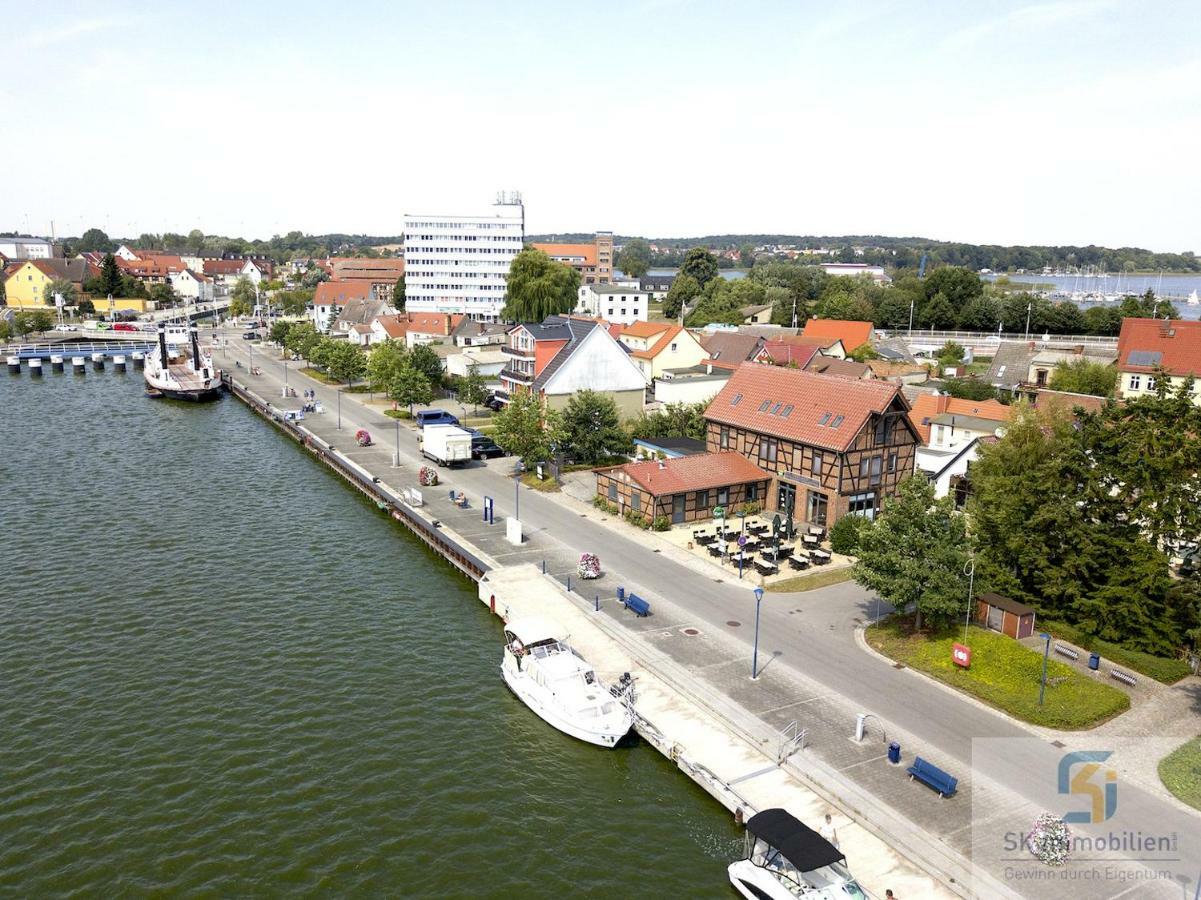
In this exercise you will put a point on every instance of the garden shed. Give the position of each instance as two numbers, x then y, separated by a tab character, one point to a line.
1004	614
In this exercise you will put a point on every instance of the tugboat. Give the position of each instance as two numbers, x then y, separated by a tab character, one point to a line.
181	373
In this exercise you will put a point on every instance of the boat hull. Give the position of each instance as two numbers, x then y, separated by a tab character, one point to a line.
756	883
529	695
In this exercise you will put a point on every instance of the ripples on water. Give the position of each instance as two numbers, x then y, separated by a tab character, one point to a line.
223	672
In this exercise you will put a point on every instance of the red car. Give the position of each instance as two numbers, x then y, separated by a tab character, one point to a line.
125	326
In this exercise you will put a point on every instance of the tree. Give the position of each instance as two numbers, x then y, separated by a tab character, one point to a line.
938	313
746	255
346	361
313	276
196	240
239	306
1083	376
958	285
426	361
163	295
293	303
539	287
522	428
110	277
717	303
244	290
915	553
592	427
59	286
409	386
279	331
969	389
951	354
398	294
683	289
94	241
675	420
20	325
5	331
635	258
700	264
302	340
980	314
383	362
473	388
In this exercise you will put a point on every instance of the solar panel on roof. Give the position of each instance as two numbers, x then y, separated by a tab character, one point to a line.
1144	358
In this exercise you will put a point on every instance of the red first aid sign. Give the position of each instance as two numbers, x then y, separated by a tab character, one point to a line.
961	655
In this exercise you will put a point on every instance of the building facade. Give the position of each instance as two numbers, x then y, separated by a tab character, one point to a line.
1153	349
834	445
684	489
656	347
614	303
17	248
593	261
460	264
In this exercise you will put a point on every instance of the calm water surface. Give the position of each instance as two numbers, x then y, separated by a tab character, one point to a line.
224	673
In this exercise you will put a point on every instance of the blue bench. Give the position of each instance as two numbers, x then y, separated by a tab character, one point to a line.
637	604
933	776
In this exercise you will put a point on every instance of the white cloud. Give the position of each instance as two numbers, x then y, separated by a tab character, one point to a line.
1027	18
47	37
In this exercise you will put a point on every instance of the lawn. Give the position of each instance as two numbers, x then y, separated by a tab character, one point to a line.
546	485
810	582
1003	674
1180	772
1161	668
397	414
318	375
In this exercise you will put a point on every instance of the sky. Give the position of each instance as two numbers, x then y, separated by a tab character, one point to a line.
1066	122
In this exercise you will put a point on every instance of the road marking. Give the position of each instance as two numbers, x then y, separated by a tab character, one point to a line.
862	761
764	712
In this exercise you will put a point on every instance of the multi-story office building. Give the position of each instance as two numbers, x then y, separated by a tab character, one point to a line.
593	261
460	264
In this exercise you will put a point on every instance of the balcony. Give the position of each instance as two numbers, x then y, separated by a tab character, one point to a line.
516	376
517	352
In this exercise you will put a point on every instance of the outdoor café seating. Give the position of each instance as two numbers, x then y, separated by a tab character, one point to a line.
766	568
820	557
715	550
800	563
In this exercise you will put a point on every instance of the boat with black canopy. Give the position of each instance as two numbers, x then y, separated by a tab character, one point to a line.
787	859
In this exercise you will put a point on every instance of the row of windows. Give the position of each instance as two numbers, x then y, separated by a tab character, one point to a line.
453	226
769	448
506	238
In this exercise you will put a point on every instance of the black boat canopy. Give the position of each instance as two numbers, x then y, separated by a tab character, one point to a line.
797	843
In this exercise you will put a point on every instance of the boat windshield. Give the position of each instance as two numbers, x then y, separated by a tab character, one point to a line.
765	856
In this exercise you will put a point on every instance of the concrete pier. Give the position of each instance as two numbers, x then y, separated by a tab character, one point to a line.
78	365
35	367
98	362
56	363
14	365
118	363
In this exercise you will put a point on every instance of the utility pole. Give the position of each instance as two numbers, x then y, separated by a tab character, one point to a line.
1029	307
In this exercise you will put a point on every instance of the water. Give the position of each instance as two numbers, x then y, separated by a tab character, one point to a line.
224	672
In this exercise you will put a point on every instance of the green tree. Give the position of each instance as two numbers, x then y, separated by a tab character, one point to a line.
717	303
110	277
938	313
592	429
40	321
473	388
195	241
675	420
915	553
293	303
426	361
683	290
951	354
635	258
539	287
302	340
313	276
244	291
163	295
409	386
59	286
6	331
239	307
94	241
525	430
957	284
1103	320
746	255
980	314
279	331
347	362
398	294
1083	376
969	389
700	264
383	362
323	351
20	324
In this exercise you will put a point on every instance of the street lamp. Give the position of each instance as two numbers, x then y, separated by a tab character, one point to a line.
1042	685
969	569
517	467
397	421
339	408
285	373
755	656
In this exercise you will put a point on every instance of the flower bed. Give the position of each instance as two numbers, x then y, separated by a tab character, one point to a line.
589	566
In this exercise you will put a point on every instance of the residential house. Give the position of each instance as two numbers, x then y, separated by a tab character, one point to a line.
389	328
594	261
488	360
656	286
613	302
361	312
756	315
1044	362
126	253
834	445
828	365
152	270
656	346
564	354
1150	349
193	286
474	333
26	286
951	431
1025	367
729	349
695	384
258	270
360	334
430	327
853	334
22	248
684	489
381	273
331	297
224	272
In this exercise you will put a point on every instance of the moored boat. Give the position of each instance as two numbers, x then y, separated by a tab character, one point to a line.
181	372
558	684
786	859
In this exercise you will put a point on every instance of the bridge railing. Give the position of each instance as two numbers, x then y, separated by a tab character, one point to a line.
983	337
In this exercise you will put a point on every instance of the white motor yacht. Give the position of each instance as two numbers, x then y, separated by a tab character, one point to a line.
553	680
785	859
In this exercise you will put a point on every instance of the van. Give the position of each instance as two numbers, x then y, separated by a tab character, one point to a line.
435	417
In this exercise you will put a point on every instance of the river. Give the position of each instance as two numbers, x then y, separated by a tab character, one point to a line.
224	672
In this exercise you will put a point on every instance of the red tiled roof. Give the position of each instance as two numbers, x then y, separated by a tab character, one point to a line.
223	266
786	353
1065	400
793	404
928	405
587	251
853	334
658	346
393	326
1177	342
831	365
647	329
430	323
338	292
693	473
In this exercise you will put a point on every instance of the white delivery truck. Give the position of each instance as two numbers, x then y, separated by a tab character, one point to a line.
447	445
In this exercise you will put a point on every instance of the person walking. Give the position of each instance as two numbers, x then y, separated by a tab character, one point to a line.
828	831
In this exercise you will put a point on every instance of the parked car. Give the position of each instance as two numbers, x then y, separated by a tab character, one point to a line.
494	403
250	336
66	327
435	417
124	326
483	447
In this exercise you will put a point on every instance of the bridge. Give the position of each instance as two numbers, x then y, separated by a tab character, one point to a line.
81	348
985	343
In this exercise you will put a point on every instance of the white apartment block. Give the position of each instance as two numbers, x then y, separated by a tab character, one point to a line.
27	248
617	304
460	264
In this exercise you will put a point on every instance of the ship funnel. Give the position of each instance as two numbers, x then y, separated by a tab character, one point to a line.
195	347
162	346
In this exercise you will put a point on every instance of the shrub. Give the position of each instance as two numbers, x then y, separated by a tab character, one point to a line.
662	523
750	509
844	534
637	519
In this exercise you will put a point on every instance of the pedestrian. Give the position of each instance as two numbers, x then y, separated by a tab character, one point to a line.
889	895
828	831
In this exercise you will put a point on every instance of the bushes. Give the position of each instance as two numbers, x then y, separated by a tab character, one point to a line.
661	523
844	534
1161	668
637	519
605	506
749	509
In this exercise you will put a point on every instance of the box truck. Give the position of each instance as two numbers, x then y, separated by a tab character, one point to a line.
447	445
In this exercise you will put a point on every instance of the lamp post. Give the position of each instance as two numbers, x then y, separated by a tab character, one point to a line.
1042	685
1029	307
911	301
285	373
517	490
339	408
397	463
755	656
969	569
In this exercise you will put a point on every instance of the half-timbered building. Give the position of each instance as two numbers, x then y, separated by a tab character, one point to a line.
834	445
685	489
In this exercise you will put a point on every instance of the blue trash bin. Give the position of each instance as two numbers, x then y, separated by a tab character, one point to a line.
621	595
894	753
1094	661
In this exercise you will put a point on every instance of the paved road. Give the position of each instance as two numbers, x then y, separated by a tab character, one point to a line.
816	644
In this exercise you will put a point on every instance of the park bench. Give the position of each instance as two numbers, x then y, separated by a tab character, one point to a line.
637	604
932	776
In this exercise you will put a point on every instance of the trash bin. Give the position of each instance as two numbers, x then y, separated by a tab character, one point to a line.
1094	661
621	594
894	753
